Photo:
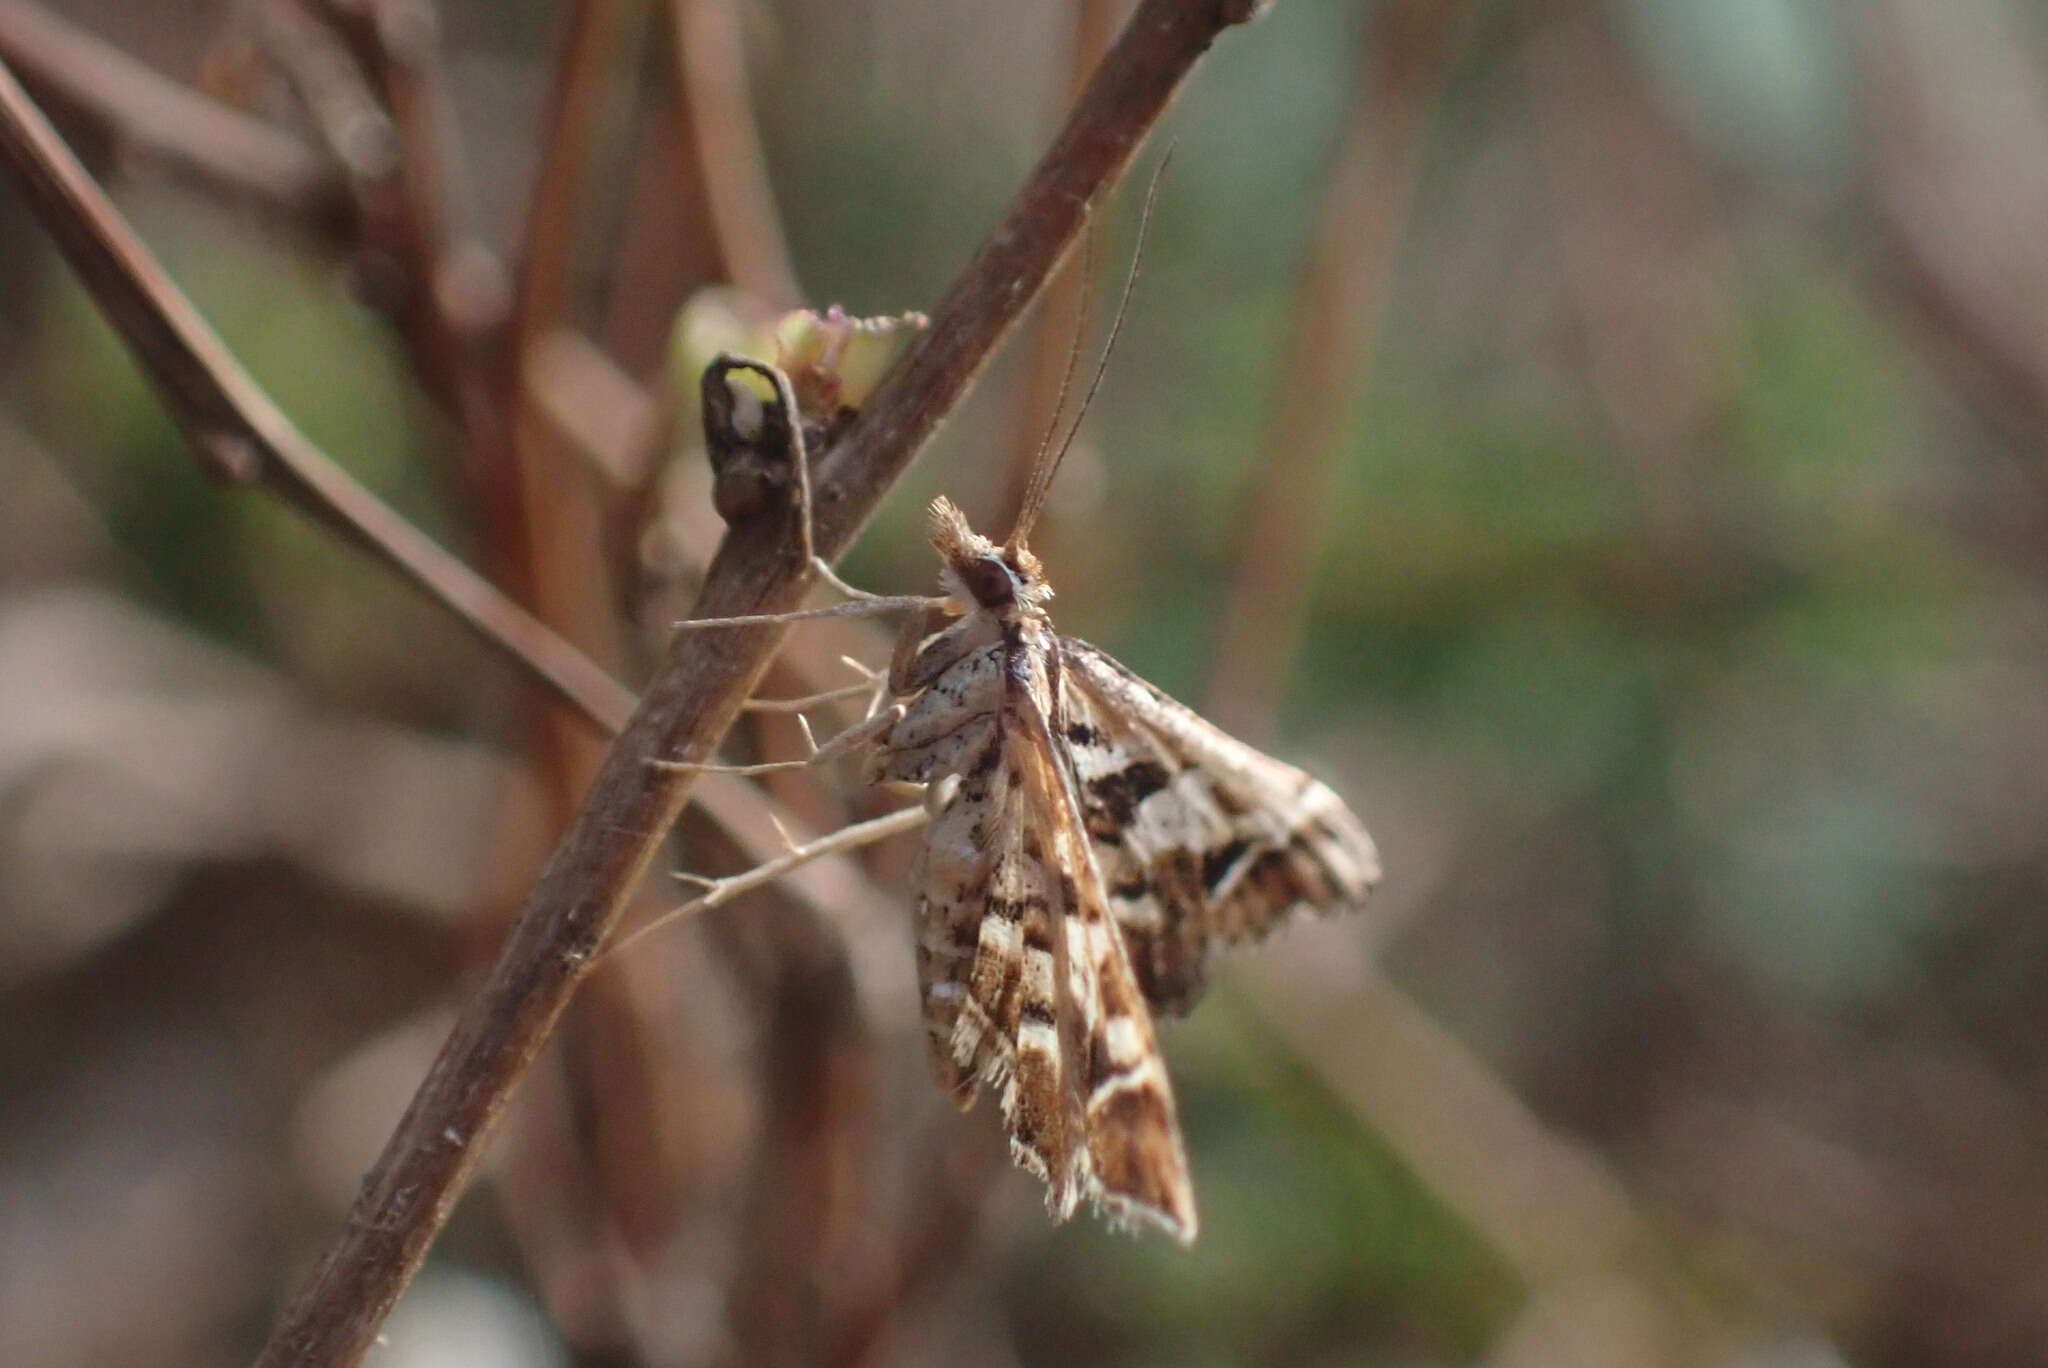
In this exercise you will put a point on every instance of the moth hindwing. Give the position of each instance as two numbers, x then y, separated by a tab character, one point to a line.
1090	839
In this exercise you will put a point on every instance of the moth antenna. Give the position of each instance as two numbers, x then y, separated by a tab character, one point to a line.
1043	470
1033	492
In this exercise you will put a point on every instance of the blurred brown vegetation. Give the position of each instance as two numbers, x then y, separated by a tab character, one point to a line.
1602	439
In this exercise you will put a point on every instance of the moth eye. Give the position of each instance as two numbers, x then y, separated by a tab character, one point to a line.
990	582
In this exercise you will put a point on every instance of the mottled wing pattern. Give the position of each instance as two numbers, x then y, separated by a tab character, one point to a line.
1028	988
989	949
1137	1169
1199	838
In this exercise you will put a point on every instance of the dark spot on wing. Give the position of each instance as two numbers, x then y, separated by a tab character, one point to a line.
1168	958
1119	794
1036	1011
1270	876
1130	890
1217	864
1081	734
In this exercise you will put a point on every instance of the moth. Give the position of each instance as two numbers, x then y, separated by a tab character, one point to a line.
1089	840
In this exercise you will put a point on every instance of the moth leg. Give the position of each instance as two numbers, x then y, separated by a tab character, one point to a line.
831	577
794	856
872	606
854	737
872	685
808	701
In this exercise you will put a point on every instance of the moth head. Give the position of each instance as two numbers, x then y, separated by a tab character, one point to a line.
978	573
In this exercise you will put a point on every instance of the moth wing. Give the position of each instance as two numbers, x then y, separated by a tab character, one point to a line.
1199	837
991	963
1137	1168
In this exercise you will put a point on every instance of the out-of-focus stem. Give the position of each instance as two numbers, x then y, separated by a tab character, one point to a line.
1342	291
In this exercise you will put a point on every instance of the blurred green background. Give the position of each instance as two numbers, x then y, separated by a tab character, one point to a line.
1673	536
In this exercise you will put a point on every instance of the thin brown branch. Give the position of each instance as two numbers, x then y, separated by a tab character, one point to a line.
698	692
586	56
1342	291
562	550
716	111
396	43
376	64
1960	191
345	114
665	246
96	81
1646	269
243	436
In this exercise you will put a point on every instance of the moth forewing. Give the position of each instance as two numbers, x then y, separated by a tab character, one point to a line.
1137	1169
1027	987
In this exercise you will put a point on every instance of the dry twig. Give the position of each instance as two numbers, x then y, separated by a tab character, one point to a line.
395	43
716	114
1627	187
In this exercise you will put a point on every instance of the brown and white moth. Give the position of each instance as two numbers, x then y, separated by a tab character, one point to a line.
1089	840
